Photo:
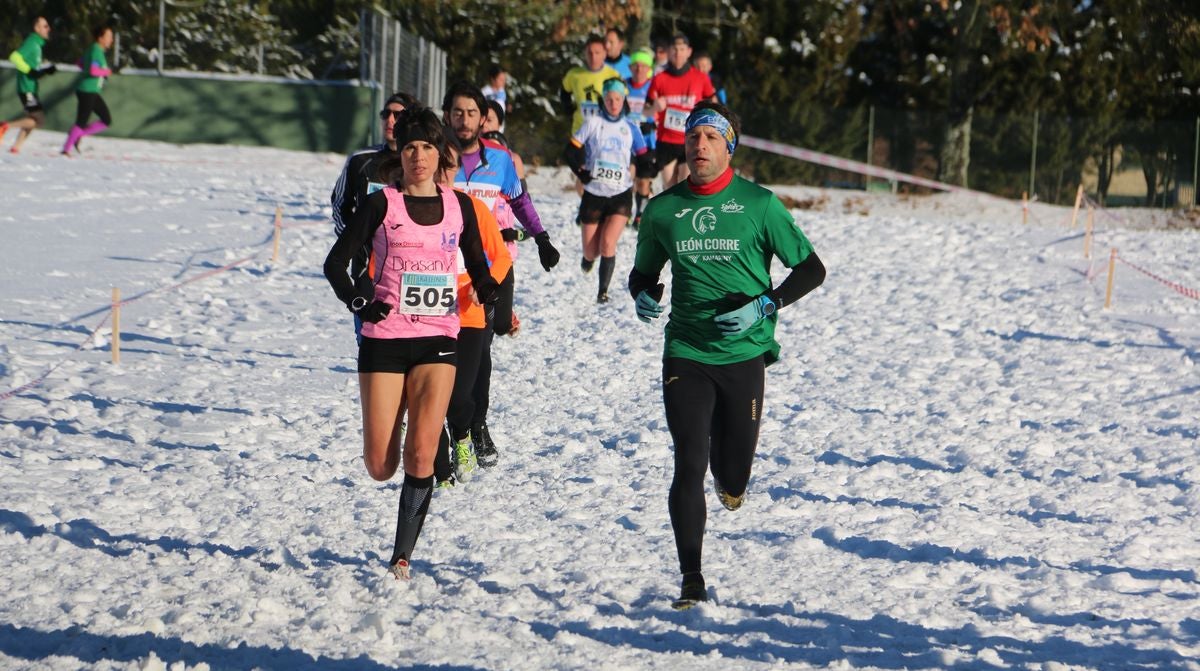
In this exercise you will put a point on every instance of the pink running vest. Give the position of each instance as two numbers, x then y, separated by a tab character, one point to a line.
416	271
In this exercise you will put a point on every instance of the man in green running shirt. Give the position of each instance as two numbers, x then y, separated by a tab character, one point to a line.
719	232
28	61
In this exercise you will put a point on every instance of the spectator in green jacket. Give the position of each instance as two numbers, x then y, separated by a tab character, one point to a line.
95	71
28	61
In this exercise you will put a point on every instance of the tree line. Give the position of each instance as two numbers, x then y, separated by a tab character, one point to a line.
946	88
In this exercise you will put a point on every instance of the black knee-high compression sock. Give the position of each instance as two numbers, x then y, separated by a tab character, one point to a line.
607	265
641	204
414	504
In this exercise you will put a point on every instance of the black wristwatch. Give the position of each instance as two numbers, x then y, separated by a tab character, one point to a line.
357	303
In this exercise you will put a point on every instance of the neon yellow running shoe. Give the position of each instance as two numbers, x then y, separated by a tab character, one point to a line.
464	460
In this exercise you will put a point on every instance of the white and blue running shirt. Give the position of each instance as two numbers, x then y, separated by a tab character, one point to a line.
608	148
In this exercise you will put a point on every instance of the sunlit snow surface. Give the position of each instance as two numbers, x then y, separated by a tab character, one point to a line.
965	462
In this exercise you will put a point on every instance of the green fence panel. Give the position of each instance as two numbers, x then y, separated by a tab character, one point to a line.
185	110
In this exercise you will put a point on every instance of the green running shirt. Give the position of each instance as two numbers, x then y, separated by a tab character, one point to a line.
719	246
30	55
94	54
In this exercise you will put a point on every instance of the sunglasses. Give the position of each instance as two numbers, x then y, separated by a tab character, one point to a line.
395	114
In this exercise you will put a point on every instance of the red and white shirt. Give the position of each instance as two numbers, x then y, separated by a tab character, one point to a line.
681	92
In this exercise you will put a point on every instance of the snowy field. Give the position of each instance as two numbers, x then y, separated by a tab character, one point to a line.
966	461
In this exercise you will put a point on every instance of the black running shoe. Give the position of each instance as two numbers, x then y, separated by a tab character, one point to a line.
602	297
692	591
485	450
586	265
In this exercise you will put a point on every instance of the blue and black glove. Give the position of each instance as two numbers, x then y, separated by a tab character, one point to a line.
647	303
737	321
44	70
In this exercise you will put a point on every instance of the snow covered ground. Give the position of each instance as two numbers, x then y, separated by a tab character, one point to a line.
966	461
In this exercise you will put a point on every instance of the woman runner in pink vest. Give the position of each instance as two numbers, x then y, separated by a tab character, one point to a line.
420	233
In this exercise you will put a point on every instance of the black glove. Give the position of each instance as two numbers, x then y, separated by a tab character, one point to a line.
547	254
584	176
488	293
43	71
513	234
373	312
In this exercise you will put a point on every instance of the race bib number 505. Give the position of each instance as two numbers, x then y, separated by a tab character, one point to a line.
429	294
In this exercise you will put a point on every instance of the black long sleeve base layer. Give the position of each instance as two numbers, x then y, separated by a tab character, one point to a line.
713	413
414	505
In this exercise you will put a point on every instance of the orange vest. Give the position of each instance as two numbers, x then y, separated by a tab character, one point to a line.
471	314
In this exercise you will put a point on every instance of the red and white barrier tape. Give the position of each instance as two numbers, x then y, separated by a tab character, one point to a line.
831	161
848	165
837	162
1175	286
305	224
1186	291
35	382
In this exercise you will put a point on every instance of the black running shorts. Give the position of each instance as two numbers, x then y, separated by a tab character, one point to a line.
666	152
399	355
30	102
594	209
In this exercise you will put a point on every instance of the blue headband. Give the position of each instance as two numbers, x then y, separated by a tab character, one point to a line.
615	85
709	117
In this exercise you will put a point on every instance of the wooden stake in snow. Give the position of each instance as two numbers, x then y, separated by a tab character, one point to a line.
1112	267
1087	233
278	230
1024	207
1078	200
116	325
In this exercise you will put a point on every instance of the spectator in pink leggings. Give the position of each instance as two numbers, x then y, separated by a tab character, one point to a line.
95	71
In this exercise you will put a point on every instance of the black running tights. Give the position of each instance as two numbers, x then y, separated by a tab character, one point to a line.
472	344
713	413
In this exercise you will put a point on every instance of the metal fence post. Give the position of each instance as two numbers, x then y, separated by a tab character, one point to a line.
396	58
162	20
380	72
1195	161
1033	159
870	141
400	60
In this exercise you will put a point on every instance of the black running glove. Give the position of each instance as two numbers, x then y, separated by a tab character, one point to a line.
547	254
43	71
488	293
584	176
373	312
